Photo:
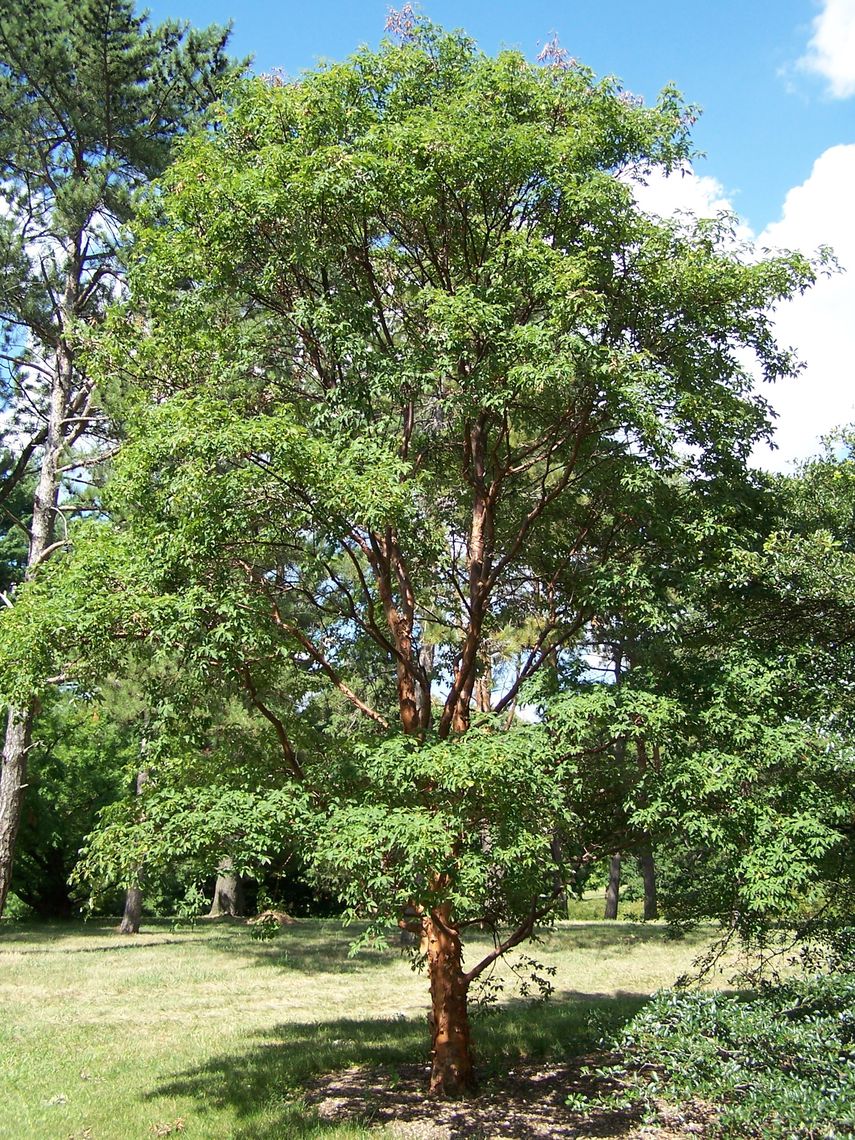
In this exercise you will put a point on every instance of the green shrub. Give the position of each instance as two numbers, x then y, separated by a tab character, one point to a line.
778	1063
16	910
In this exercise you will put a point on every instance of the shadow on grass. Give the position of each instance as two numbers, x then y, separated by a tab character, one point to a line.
309	947
53	937
313	949
125	944
307	1080
613	935
325	947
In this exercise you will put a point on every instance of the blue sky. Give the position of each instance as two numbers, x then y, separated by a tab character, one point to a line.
775	80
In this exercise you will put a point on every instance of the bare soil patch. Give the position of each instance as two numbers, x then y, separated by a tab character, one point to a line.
528	1103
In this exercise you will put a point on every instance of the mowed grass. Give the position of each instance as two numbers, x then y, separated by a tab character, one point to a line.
208	1033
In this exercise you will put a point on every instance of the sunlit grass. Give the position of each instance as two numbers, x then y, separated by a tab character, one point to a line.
214	1034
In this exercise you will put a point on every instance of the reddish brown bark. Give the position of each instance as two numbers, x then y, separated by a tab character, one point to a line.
452	1071
413	685
456	713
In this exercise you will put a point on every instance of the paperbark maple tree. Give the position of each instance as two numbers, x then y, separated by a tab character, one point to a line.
408	365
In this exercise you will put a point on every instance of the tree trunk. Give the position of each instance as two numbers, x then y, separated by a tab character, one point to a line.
19	726
613	889
13	776
452	1072
132	917
647	866
228	893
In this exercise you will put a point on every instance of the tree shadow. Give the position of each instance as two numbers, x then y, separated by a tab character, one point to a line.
53	937
125	944
309	947
308	1079
314	950
618	934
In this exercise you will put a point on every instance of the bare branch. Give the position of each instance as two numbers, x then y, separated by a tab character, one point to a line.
519	935
279	728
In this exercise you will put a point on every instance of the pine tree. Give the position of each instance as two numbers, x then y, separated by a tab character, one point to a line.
92	99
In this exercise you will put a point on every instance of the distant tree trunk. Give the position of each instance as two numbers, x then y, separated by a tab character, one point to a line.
613	889
647	866
423	706
19	726
484	685
228	893
452	1072
13	781
132	915
49	896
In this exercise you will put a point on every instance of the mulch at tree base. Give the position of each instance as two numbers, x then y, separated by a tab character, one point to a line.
528	1103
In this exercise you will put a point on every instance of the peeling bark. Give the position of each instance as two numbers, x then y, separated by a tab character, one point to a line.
452	1071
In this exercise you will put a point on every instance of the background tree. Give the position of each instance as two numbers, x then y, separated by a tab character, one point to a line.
91	101
742	709
87	742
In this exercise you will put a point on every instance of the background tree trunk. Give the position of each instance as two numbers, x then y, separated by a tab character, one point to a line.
426	655
13	775
647	866
452	1072
132	916
484	685
613	889
228	893
19	726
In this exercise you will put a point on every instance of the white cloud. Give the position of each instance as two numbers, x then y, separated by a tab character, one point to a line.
831	51
821	324
681	192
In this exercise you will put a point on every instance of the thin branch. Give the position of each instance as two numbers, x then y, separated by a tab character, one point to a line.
282	736
48	551
14	518
519	935
327	668
20	469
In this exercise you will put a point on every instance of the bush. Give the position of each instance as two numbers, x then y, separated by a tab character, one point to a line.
16	910
780	1063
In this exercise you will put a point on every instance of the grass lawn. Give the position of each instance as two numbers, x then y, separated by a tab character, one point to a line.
207	1033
